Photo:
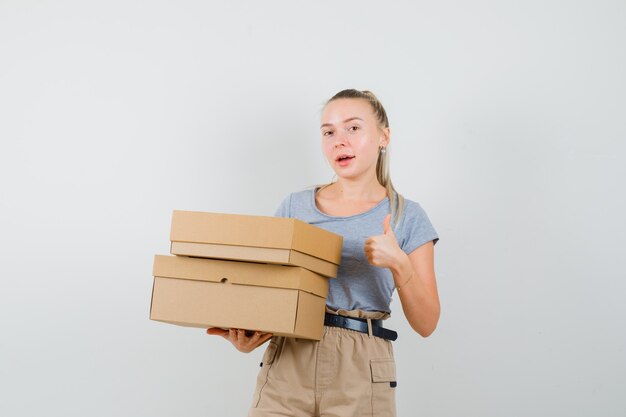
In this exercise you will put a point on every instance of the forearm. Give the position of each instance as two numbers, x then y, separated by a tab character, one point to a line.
420	304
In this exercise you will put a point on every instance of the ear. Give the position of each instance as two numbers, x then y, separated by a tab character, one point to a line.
385	137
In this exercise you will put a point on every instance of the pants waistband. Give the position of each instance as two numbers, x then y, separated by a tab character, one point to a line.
360	325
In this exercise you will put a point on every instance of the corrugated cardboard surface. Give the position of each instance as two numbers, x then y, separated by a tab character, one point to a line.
245	273
255	231
283	300
255	254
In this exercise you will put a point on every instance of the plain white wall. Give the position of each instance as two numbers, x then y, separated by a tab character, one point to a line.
508	126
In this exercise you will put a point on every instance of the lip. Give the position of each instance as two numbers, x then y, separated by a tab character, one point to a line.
343	155
344	162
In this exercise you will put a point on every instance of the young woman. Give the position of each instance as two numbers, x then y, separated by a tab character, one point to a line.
388	245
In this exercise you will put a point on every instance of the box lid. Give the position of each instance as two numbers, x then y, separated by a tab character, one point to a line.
255	231
255	254
243	273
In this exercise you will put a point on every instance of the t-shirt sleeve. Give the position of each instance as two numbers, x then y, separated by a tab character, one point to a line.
284	209
416	228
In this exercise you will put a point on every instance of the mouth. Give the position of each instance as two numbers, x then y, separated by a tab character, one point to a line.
342	158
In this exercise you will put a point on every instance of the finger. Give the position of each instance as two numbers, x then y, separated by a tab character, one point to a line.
386	225
217	331
264	338
254	338
370	243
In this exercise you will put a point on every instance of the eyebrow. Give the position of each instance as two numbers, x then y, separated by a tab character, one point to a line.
345	121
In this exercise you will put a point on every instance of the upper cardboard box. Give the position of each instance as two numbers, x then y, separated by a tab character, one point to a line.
265	239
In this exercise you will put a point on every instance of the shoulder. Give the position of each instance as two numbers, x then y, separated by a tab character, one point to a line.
413	211
302	195
415	228
299	197
293	202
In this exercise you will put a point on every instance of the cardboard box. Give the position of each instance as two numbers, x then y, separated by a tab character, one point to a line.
275	240
284	300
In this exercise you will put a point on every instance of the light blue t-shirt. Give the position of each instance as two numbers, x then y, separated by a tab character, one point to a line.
360	285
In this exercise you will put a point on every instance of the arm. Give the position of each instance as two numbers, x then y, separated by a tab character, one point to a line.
414	277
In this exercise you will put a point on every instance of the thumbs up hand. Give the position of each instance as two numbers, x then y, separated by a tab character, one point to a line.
387	226
383	250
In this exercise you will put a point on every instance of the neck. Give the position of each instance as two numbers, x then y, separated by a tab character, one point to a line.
359	189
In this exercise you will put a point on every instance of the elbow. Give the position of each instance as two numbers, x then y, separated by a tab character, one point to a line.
427	327
425	332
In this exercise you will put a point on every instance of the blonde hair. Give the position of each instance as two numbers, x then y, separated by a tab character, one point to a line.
396	200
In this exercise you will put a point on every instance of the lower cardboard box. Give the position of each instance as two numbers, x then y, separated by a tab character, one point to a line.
283	300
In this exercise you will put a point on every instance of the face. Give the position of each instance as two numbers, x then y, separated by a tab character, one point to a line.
351	137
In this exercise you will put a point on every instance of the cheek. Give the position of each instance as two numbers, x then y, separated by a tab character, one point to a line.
327	149
366	147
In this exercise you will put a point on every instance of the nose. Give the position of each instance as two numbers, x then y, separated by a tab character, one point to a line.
340	140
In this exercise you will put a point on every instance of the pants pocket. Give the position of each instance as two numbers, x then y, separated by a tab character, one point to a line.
383	387
268	359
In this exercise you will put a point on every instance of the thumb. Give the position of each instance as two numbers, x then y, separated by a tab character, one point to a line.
387	227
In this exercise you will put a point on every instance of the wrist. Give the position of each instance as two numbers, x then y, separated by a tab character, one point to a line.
402	268
398	287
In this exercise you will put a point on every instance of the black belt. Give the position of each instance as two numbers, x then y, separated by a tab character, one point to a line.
360	325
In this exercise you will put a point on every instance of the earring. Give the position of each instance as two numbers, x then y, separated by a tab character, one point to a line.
383	150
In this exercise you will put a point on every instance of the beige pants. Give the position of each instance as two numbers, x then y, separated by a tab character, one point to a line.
345	374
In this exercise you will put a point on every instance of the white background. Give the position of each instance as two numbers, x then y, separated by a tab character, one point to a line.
508	126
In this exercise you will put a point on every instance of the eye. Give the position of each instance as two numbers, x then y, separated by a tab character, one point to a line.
354	128
327	132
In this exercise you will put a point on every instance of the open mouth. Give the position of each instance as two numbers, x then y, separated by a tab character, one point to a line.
342	158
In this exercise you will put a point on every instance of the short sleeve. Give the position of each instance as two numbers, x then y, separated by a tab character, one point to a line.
415	228
284	209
